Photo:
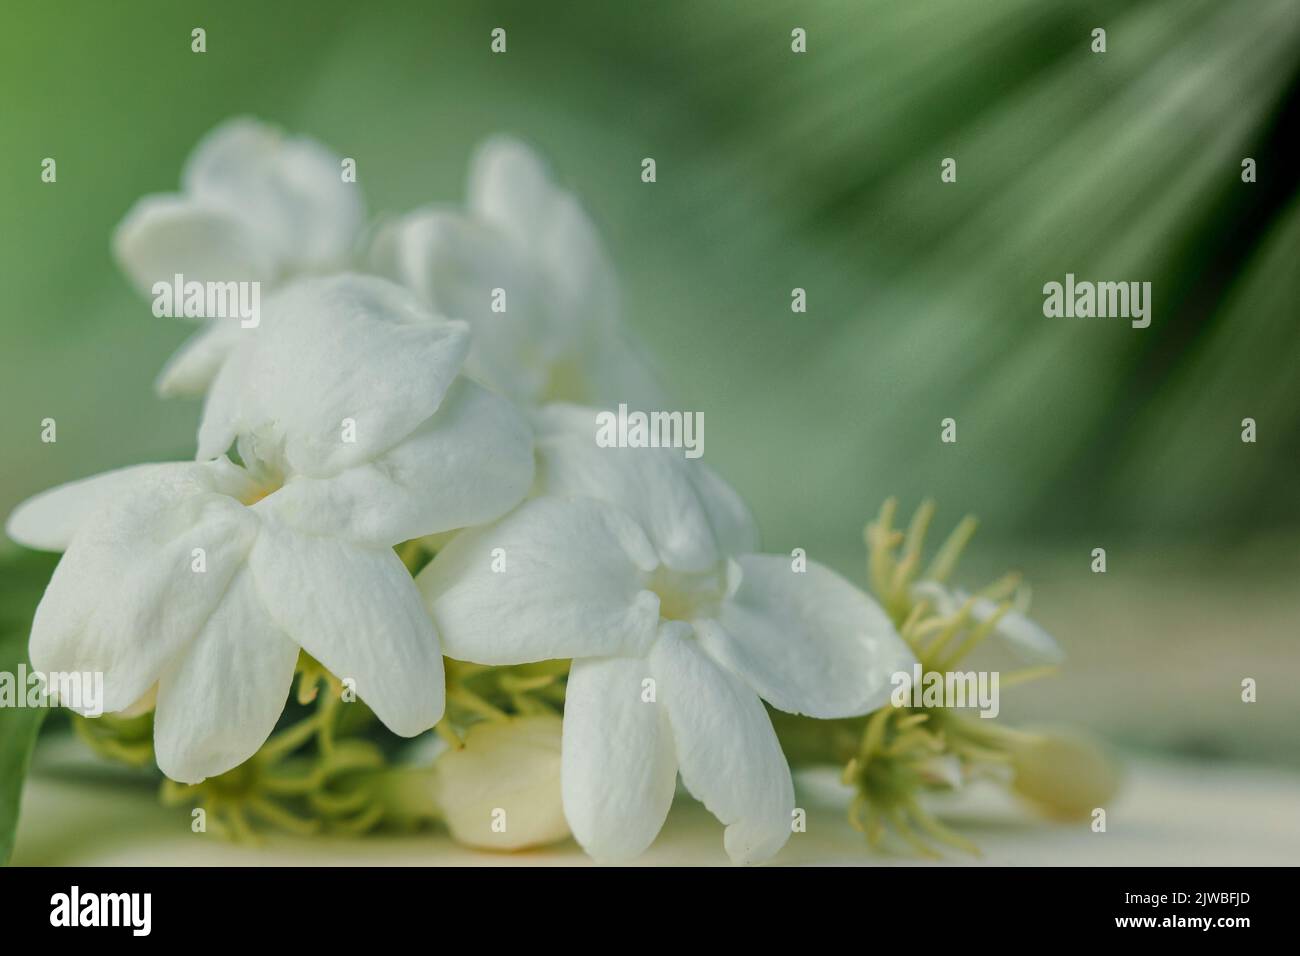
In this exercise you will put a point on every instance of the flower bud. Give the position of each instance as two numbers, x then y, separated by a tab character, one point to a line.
1065	774
501	791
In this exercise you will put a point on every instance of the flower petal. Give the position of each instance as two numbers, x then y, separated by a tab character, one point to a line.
510	187
941	599
620	371
218	706
168	234
1027	639
693	517
456	264
289	189
618	768
47	521
128	596
328	350
193	367
555	578
726	748
732	522
809	643
573	261
573	327
356	611
452	262
468	464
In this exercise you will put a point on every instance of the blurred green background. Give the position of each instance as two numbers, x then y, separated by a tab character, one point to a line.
778	170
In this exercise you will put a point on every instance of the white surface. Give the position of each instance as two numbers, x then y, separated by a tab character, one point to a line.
1170	813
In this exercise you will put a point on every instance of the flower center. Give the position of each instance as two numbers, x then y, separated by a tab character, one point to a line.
263	463
258	493
686	595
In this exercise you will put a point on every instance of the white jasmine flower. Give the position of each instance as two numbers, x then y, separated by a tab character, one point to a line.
340	388
255	205
556	334
206	578
1024	636
501	790
676	630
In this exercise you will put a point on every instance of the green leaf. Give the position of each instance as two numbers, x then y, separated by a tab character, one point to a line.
18	729
22	579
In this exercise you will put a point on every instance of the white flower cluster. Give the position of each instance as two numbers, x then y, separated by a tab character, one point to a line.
381	399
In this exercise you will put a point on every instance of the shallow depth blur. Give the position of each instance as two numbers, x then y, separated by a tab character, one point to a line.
777	171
